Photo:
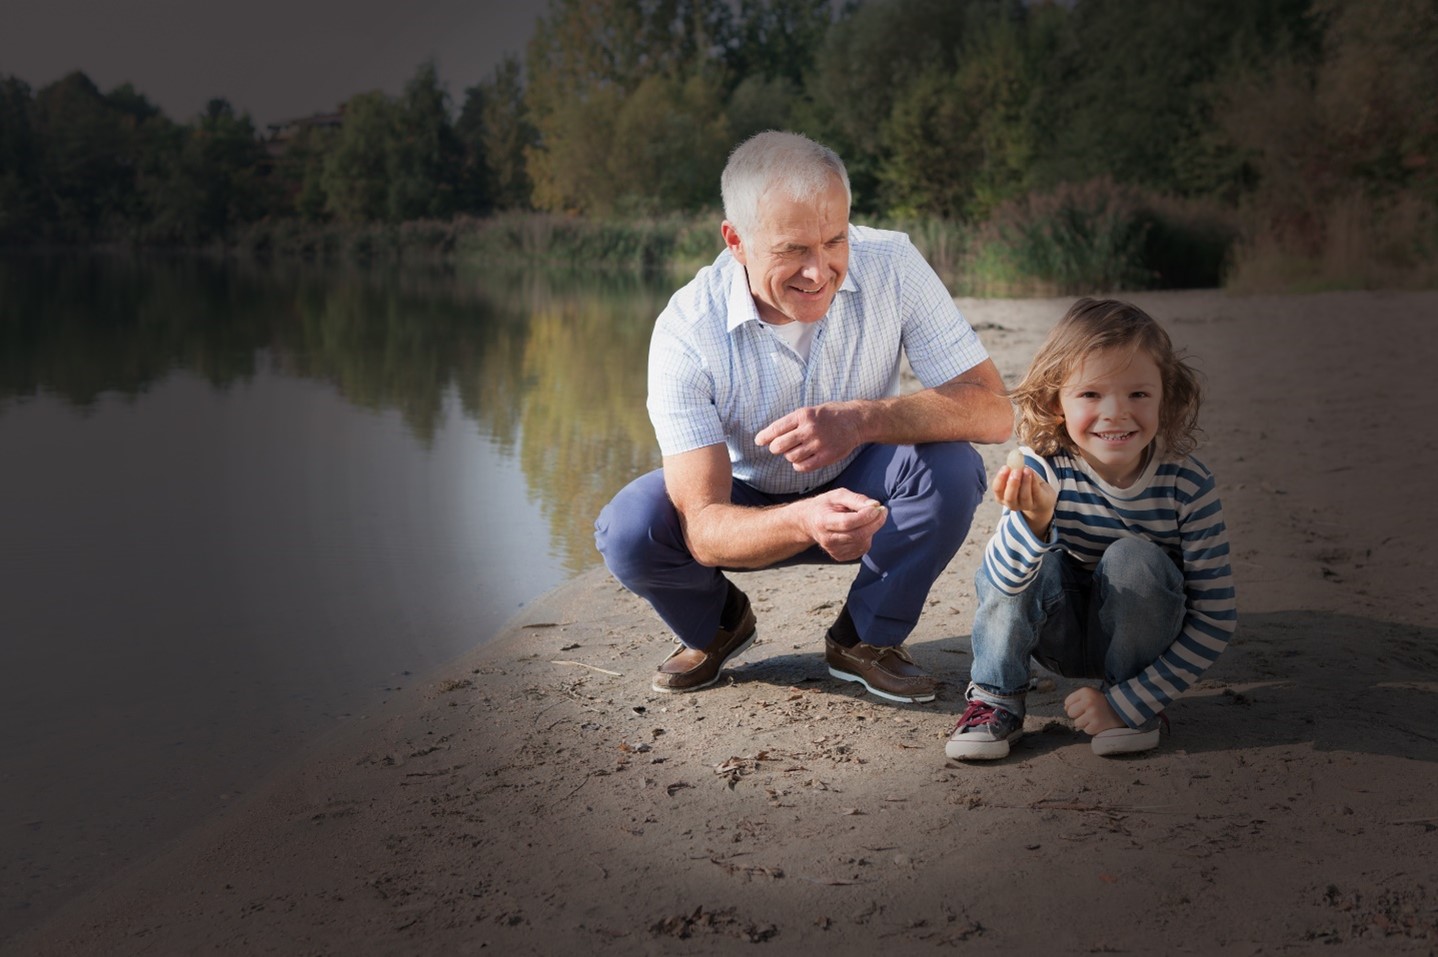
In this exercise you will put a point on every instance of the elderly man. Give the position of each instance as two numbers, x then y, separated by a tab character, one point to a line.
774	393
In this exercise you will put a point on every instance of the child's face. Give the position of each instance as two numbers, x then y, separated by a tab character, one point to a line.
1110	406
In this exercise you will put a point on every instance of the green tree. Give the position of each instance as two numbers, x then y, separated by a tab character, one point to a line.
494	132
961	141
587	57
423	154
151	146
86	183
473	188
772	53
867	62
394	159
1357	124
299	173
671	138
777	40
568	164
214	183
508	133
759	103
1133	90
356	171
19	161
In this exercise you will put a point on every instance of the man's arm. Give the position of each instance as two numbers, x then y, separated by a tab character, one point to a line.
722	534
971	407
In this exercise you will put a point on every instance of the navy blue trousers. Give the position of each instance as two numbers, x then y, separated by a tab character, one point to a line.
931	491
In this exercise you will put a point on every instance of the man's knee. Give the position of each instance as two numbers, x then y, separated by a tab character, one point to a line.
637	526
955	481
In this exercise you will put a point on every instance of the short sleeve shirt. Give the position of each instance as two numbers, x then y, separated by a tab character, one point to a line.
718	374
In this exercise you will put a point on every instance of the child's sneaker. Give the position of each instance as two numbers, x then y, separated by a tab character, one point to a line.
984	732
1129	740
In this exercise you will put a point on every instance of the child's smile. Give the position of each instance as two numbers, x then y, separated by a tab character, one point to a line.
1110	405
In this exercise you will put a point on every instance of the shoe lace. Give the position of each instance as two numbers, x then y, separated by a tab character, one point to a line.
977	714
897	651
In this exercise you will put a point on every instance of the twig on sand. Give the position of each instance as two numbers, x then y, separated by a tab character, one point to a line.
834	882
1051	805
605	671
575	790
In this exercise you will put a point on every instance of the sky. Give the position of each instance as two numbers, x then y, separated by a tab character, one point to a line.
275	60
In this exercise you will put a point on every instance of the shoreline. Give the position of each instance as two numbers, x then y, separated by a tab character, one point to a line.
537	795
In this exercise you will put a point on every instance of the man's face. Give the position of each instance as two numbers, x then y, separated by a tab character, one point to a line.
798	256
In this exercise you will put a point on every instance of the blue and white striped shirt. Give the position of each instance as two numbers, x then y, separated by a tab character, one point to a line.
717	374
1173	504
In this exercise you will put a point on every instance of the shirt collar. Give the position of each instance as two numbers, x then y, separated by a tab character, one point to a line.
741	300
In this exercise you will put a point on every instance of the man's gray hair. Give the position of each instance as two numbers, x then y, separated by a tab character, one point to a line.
789	162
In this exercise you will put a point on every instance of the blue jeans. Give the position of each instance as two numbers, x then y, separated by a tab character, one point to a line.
931	491
1110	623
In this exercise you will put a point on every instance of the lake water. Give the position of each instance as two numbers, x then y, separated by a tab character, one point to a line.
240	505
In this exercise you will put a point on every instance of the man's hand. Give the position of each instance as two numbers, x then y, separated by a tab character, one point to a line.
721	534
1091	711
812	437
1022	490
843	523
970	407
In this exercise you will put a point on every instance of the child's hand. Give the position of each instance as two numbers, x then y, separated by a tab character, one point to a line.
1021	490
1091	711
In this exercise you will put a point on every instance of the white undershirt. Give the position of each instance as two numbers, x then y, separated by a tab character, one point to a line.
798	336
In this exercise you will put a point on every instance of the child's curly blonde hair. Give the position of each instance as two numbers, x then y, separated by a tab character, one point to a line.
1089	326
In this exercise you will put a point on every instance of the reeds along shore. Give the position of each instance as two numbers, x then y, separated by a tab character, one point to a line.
1095	236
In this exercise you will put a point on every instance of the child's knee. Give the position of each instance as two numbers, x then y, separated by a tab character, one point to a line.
1138	565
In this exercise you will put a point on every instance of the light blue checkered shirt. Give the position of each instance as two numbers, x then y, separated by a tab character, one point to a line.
717	374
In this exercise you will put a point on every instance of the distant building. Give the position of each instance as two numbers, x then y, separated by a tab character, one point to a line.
279	136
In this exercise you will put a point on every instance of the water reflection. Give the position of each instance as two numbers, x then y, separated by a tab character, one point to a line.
549	368
239	505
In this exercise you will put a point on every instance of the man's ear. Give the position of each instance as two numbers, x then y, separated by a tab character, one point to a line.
733	242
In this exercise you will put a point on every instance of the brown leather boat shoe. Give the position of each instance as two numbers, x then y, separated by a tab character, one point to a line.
887	672
689	669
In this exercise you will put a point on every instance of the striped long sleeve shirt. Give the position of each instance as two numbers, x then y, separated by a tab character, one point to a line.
1173	504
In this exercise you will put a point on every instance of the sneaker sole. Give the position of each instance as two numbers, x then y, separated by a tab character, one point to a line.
1132	743
981	750
901	699
654	685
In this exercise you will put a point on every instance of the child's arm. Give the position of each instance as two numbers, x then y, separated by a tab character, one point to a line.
1211	607
1026	529
1020	489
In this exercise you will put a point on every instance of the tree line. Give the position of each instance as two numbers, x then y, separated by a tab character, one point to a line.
1286	113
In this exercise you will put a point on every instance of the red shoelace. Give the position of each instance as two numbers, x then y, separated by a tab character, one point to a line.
976	714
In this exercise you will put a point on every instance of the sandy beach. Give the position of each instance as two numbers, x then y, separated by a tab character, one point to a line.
537	797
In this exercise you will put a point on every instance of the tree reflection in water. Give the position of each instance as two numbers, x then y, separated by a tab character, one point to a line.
549	368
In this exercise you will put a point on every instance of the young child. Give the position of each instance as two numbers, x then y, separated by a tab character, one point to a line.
1111	557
